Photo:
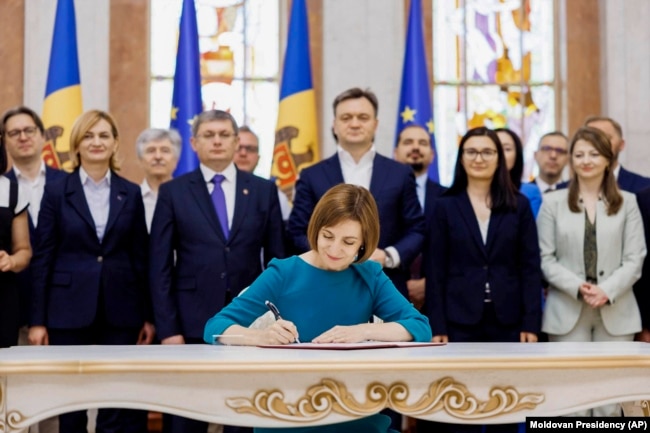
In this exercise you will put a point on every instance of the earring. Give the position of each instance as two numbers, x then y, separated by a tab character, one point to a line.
356	256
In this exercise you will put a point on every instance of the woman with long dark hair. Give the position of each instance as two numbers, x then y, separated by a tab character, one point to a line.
482	263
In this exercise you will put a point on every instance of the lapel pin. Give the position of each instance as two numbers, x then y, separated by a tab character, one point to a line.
245	191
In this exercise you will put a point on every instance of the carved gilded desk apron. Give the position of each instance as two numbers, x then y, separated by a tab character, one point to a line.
468	383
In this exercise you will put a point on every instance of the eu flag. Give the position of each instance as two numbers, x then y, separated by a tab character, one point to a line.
415	97
62	104
186	100
296	133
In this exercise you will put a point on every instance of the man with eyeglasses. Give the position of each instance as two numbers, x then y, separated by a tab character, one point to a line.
24	137
552	157
208	231
246	158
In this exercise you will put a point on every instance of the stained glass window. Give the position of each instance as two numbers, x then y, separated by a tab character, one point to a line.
494	66
239	45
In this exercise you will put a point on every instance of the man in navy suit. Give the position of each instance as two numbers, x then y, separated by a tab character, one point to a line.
24	136
203	255
414	149
356	161
627	180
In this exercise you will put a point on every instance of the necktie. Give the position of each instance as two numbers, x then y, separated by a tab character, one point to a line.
219	202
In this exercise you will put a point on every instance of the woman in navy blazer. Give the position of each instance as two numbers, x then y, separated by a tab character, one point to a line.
90	262
482	263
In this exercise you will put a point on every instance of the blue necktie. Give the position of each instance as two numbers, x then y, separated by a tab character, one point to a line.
219	202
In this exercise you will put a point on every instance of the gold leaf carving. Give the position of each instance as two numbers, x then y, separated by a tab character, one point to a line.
645	406
14	418
331	396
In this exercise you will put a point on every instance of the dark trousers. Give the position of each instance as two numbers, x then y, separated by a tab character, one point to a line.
108	420
488	330
179	424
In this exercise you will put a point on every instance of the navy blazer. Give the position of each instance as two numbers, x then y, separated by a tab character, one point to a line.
71	268
192	265
434	190
632	182
24	278
392	184
458	265
642	287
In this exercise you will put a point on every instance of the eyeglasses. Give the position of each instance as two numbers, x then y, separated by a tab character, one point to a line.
248	148
551	149
486	154
209	135
29	132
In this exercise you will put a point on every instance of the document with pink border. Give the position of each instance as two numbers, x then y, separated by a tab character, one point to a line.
351	346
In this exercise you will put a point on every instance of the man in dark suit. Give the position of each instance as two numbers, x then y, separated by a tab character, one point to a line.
414	149
552	156
208	230
392	185
627	180
24	136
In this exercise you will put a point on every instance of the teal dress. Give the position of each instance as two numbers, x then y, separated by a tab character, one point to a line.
316	300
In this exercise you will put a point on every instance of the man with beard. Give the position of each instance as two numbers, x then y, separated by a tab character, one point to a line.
414	149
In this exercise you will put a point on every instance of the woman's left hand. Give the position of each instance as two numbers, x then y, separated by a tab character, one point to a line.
593	295
344	334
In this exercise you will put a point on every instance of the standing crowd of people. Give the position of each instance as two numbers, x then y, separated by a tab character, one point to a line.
92	258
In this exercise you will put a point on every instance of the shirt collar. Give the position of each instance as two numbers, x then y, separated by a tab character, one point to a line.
85	178
346	156
421	180
230	172
145	189
617	171
19	174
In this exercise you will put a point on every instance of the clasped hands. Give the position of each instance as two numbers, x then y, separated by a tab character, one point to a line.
593	295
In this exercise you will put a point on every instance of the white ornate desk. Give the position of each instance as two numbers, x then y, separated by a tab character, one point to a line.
468	383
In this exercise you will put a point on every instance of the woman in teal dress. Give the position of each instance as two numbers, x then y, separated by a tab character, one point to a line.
328	294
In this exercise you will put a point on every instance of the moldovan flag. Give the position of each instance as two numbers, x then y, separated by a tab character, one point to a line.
186	99
415	97
296	135
62	103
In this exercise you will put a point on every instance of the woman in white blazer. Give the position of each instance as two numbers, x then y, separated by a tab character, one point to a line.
592	246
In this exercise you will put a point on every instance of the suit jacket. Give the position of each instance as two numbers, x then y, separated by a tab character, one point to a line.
459	265
193	266
642	287
434	190
392	184
632	182
24	278
71	268
621	249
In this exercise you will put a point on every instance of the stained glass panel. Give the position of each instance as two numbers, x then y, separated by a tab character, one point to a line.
494	65
239	45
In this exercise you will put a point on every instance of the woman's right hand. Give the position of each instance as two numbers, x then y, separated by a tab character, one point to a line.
440	339
280	332
38	336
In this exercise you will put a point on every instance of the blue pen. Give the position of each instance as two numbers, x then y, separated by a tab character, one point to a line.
275	312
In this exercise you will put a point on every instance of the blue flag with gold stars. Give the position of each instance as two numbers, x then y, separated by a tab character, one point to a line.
186	100
415	97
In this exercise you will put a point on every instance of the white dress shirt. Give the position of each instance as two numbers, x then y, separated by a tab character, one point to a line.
149	198
357	173
229	186
98	197
421	188
33	189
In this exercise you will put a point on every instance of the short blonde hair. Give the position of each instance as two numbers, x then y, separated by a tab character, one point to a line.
347	202
79	129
